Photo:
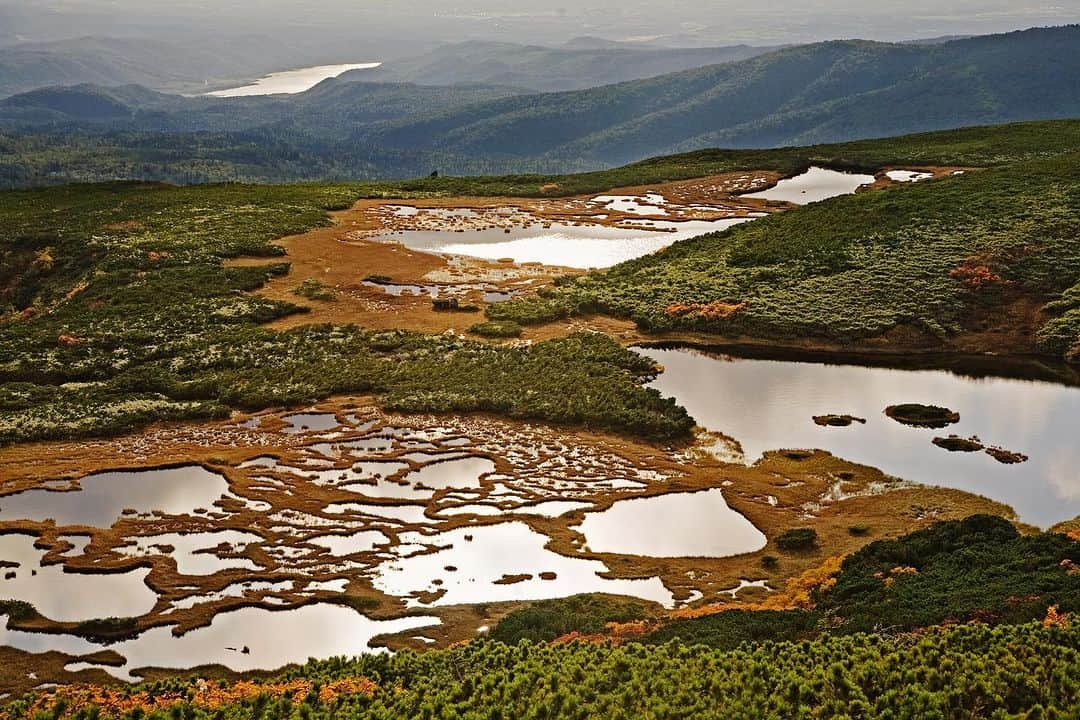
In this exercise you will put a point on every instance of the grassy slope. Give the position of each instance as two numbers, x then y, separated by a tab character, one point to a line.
979	569
856	267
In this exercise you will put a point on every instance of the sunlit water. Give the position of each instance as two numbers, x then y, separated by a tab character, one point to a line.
292	81
483	555
814	185
273	639
676	525
563	245
602	246
64	596
767	404
105	496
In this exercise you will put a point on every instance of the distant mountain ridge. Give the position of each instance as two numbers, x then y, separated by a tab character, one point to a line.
351	127
824	92
580	64
178	67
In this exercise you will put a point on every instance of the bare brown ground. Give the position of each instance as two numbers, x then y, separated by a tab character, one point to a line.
360	244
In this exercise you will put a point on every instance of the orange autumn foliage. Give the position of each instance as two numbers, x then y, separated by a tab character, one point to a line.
795	595
615	632
209	695
716	310
975	274
896	572
1055	619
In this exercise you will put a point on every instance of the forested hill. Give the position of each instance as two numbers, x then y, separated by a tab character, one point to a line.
349	128
826	92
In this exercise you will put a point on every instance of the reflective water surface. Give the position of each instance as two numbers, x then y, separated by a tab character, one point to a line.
814	185
292	81
105	496
768	404
563	245
677	525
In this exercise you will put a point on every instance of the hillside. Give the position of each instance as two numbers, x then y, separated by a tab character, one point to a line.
78	279
816	93
985	261
176	66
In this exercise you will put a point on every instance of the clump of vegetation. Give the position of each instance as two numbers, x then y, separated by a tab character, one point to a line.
312	289
546	620
732	628
797	539
955	443
497	329
858	530
18	610
453	305
108	629
837	420
923	416
1006	457
979	568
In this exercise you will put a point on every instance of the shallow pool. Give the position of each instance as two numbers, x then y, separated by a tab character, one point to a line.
696	524
814	185
563	245
769	404
103	497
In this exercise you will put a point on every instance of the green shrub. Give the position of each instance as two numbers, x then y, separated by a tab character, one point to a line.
497	329
548	619
312	289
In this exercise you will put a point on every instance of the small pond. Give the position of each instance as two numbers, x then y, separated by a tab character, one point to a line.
273	639
473	561
105	496
814	185
563	245
675	525
769	404
64	596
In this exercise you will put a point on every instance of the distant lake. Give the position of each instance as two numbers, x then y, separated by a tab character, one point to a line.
292	81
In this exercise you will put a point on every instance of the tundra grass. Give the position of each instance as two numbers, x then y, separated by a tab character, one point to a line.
928	256
120	311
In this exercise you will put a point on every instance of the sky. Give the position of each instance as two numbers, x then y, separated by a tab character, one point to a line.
406	25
